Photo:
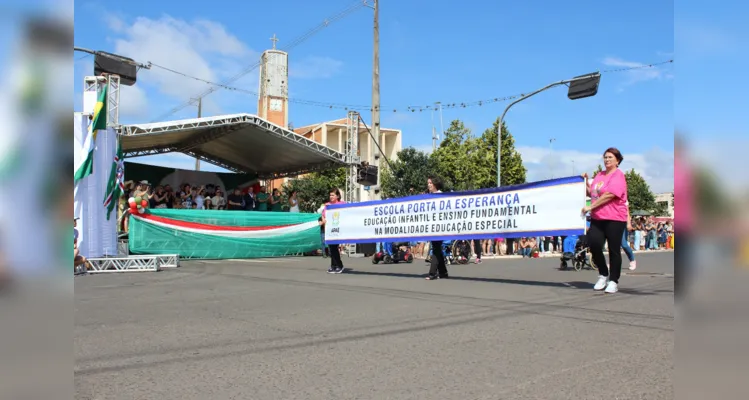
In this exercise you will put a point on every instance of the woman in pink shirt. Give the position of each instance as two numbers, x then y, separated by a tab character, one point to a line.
336	264
608	219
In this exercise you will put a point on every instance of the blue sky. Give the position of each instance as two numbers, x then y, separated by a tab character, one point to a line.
432	51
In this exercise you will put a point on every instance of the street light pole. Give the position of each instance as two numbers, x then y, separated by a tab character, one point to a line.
587	91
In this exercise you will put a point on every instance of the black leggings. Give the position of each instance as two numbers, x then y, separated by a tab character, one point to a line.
437	266
682	264
606	231
335	256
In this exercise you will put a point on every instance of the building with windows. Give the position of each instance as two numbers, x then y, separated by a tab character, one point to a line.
668	199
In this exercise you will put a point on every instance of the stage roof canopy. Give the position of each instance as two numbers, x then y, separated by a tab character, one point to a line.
239	143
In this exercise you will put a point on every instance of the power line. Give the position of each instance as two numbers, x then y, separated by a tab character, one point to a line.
639	66
359	107
324	24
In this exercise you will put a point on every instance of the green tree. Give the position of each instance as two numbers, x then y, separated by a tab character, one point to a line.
409	170
639	194
485	159
313	189
452	161
599	169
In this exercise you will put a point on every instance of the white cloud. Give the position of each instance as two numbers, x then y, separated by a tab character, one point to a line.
315	68
656	166
634	76
133	102
200	48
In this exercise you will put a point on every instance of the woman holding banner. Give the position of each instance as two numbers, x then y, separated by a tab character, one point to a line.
336	264
437	269
608	219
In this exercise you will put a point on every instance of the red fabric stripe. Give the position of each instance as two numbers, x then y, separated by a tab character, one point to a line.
197	225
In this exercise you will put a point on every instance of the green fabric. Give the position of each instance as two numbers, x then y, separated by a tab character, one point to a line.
146	238
114	192
262	206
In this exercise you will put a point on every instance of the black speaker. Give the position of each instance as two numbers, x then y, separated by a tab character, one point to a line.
368	249
583	88
366	175
112	65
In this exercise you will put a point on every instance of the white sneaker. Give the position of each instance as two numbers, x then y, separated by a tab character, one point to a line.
612	287
633	265
602	280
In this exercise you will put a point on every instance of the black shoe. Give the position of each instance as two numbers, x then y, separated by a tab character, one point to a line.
445	276
431	277
331	270
339	270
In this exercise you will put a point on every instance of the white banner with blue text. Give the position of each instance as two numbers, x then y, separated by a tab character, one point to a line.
546	208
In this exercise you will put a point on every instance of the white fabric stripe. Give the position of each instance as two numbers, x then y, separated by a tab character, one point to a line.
238	234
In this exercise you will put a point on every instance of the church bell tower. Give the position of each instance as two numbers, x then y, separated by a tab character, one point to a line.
273	102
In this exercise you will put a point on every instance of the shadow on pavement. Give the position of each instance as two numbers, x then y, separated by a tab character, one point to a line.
587	285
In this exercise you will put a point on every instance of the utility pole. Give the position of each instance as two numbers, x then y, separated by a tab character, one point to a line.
442	125
376	88
434	134
200	114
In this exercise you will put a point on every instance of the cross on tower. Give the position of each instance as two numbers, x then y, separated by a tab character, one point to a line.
274	40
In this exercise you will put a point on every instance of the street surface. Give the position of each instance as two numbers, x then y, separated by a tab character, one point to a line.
284	329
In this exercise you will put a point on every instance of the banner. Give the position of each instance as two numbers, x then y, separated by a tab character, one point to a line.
546	208
97	234
218	234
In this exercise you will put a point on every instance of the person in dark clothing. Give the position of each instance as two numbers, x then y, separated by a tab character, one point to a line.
437	269
234	201
249	200
477	250
336	264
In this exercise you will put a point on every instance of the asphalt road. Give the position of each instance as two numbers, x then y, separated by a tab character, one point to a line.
284	329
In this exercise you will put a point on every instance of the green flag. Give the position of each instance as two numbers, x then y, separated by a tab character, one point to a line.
85	166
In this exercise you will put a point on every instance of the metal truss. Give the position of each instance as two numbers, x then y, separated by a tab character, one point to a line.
299	140
113	100
226	124
352	159
205	137
124	264
182	125
95	83
352	156
140	263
